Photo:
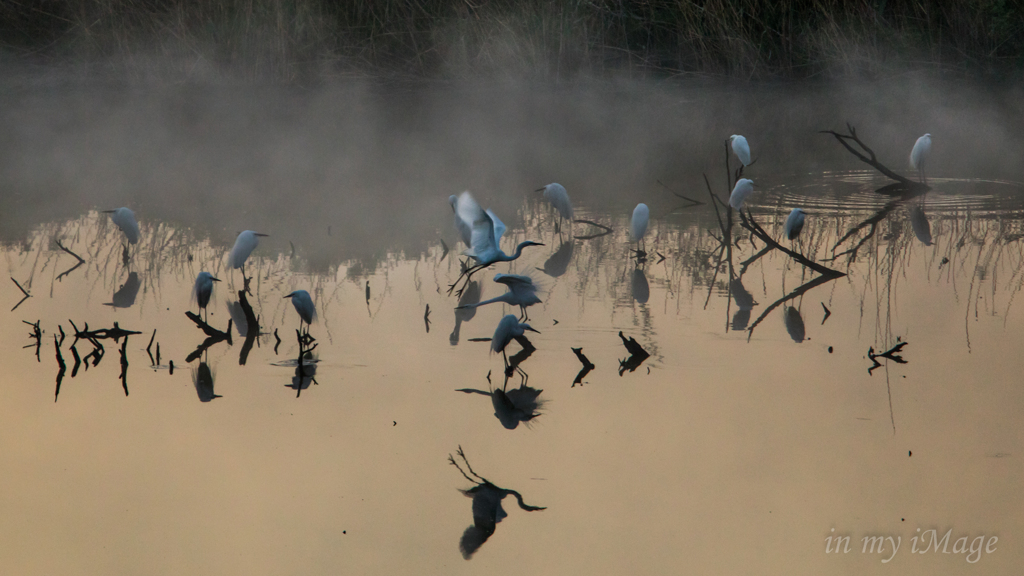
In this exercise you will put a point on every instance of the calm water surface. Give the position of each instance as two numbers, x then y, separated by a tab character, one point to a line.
758	428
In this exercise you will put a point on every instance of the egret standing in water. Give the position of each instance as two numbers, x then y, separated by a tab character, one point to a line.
244	245
638	225
795	223
304	306
740	148
555	194
203	289
521	292
487	230
508	328
744	187
919	153
124	219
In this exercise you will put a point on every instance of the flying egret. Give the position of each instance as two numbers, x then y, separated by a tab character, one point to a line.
638	225
203	289
920	153
744	187
487	230
508	328
244	245
522	292
304	306
740	148
464	228
555	194
795	223
124	218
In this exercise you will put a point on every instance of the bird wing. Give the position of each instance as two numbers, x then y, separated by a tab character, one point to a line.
499	227
481	228
511	280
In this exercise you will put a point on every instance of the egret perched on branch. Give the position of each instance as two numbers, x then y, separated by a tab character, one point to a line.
508	328
740	148
744	187
638	225
244	245
486	234
304	306
795	223
124	219
203	289
522	292
919	153
555	194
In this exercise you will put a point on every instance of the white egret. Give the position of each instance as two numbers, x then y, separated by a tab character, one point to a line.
555	194
244	245
740	148
304	306
919	153
638	225
744	187
464	228
508	328
795	223
487	230
124	218
522	292
203	289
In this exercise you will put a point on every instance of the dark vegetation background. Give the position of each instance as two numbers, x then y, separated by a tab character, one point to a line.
308	40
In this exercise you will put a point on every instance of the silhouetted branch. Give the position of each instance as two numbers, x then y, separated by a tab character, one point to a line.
795	293
637	355
870	159
23	291
587	366
61	364
73	268
124	365
750	224
606	230
114	333
37	335
677	195
890	354
206	328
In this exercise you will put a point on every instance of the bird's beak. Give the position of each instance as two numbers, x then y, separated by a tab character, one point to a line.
531	329
258	234
539	190
215	279
290	295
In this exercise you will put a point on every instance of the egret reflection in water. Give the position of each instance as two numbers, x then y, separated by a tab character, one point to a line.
202	378
794	324
521	404
466	310
919	223
126	294
487	509
641	290
557	264
744	304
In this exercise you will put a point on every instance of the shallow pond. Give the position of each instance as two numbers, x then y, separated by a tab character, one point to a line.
759	434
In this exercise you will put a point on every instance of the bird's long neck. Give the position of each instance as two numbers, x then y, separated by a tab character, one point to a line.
503	298
518	252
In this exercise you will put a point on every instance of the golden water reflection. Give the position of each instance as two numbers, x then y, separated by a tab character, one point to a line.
751	432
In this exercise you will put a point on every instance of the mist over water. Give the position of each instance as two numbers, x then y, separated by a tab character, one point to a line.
760	415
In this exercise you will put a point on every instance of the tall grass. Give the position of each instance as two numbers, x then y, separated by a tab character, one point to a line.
302	39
